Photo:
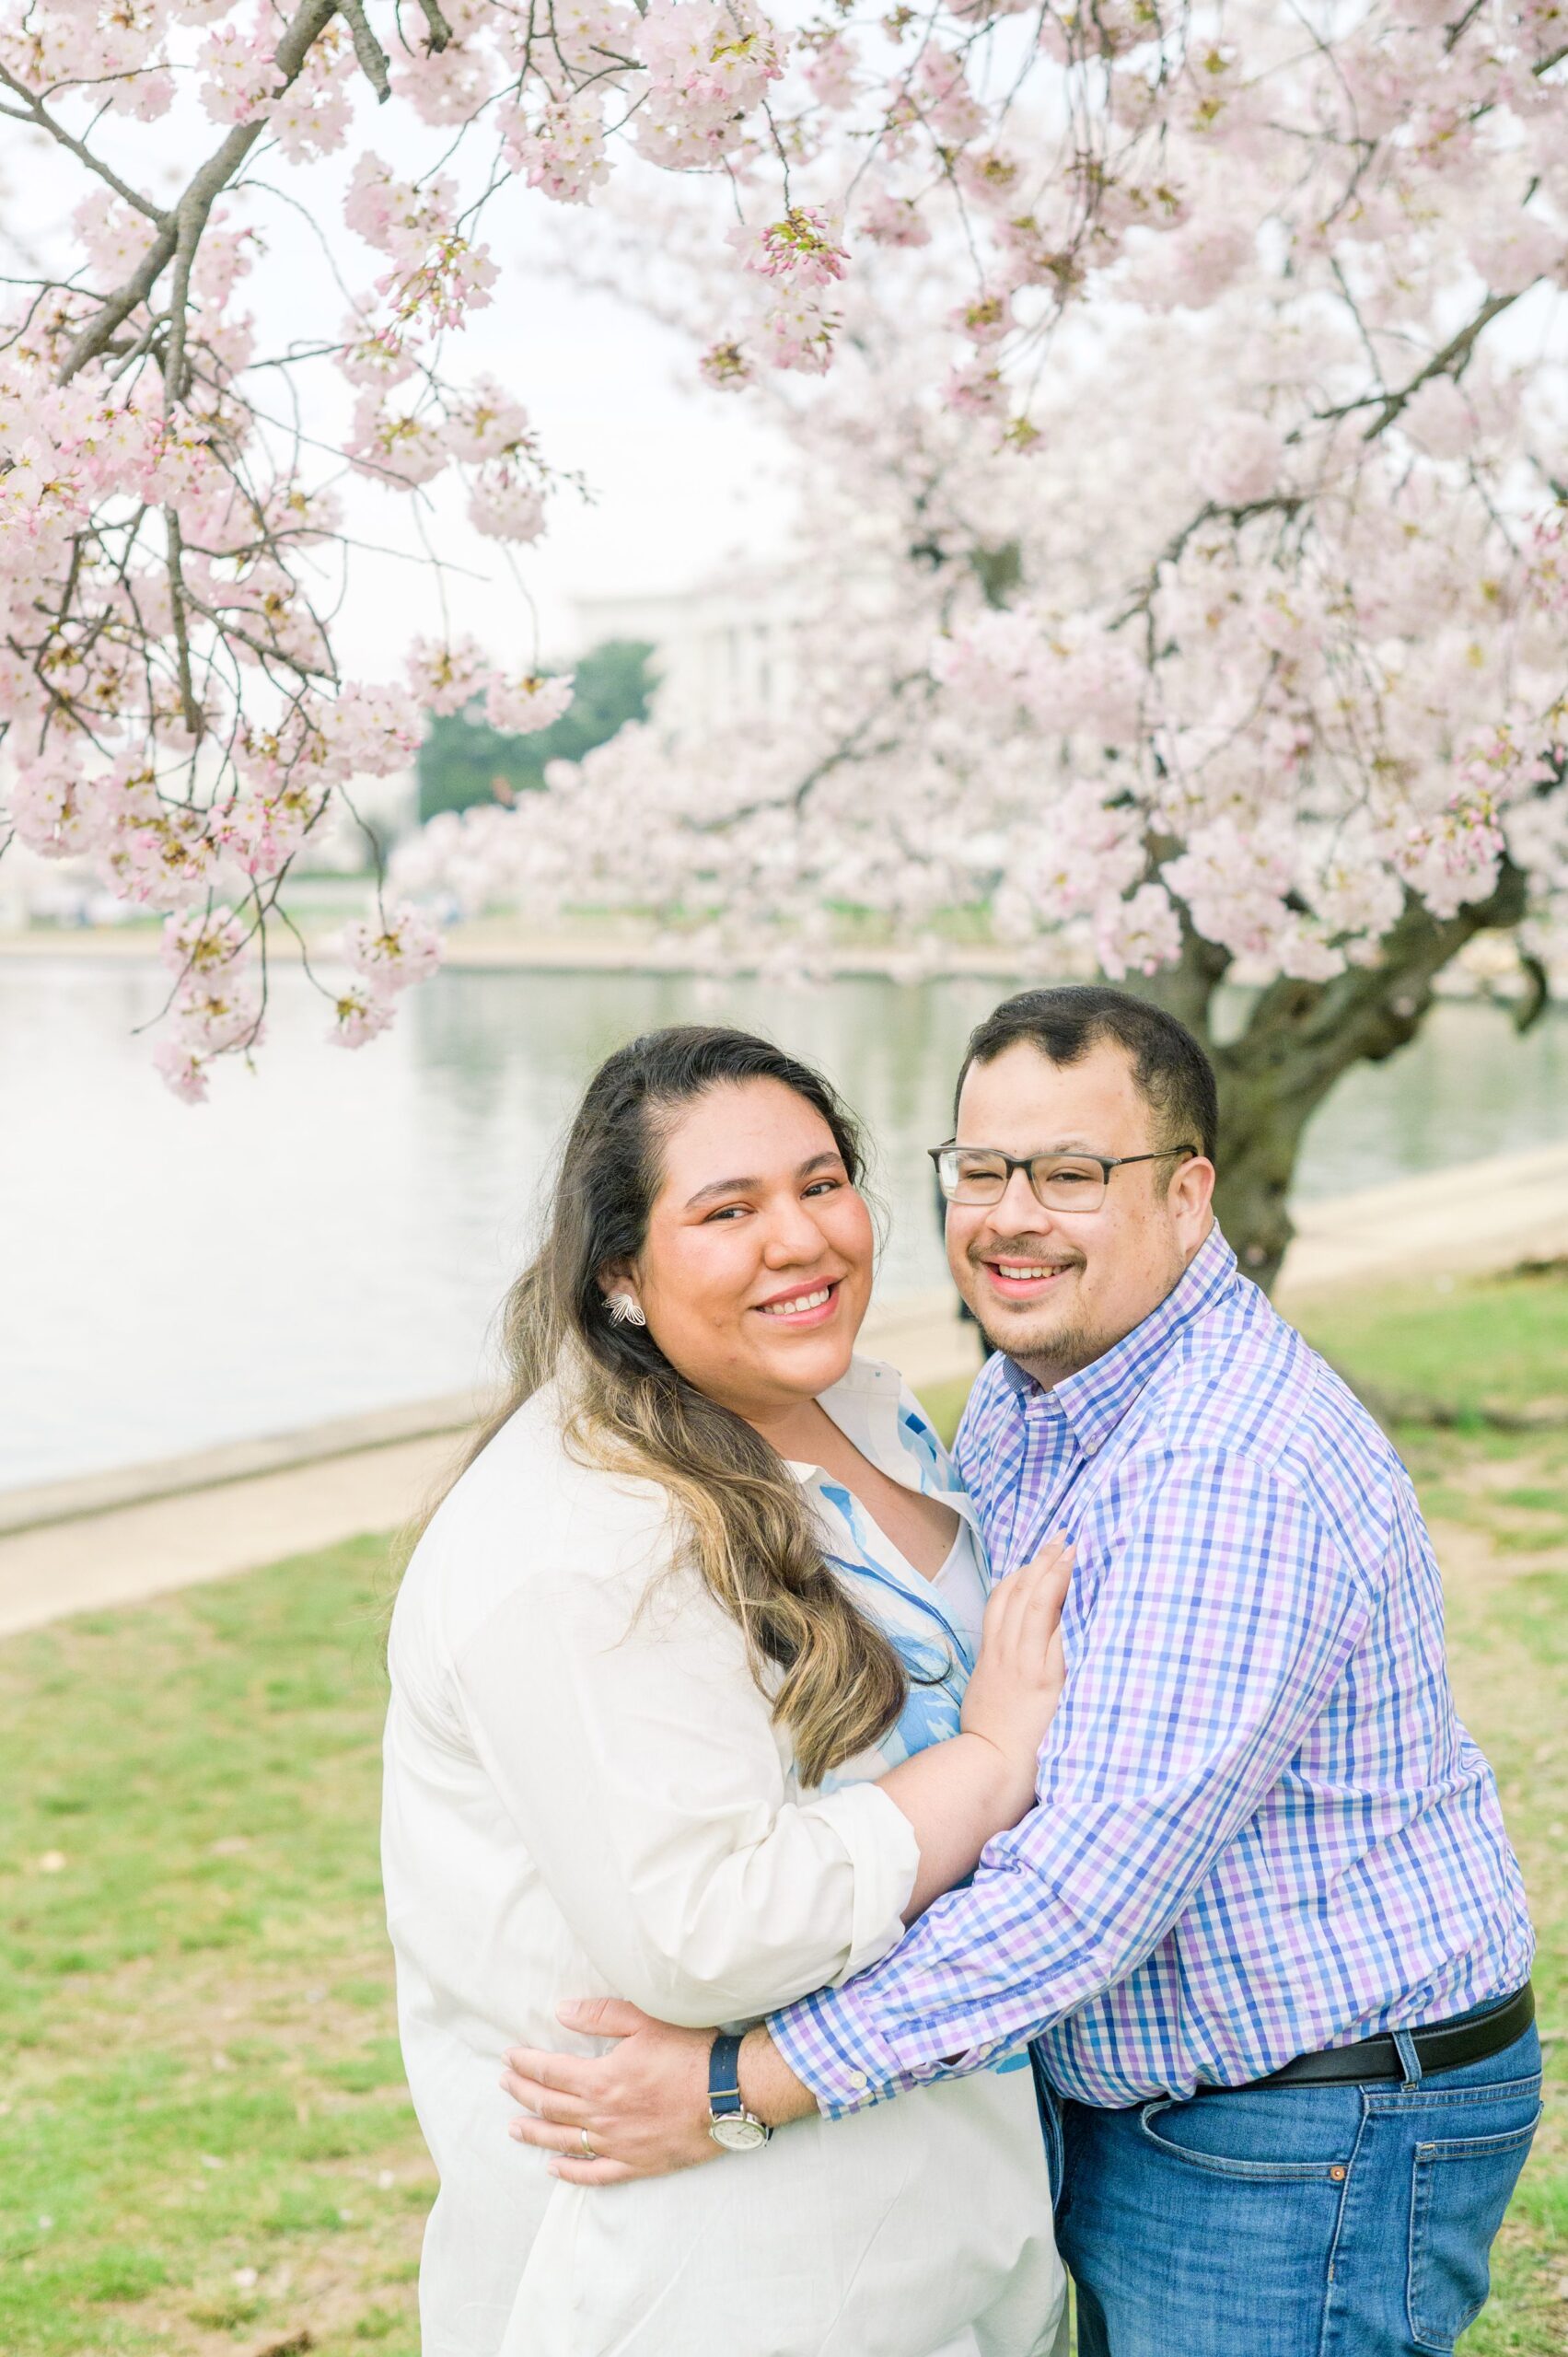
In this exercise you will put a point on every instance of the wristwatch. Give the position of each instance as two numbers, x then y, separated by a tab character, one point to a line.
729	2122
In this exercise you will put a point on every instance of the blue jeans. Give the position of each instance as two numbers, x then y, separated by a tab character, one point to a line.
1294	2222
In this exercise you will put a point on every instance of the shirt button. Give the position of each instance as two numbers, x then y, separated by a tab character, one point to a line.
859	2079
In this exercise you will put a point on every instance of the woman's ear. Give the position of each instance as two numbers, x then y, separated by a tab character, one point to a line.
615	1276
616	1283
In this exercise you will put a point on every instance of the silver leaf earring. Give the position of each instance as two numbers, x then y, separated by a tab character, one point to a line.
624	1311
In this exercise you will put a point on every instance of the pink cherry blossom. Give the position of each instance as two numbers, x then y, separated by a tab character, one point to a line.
238	73
715	56
445	676
888	219
979	390
797	333
487	422
361	1012
727	367
204	940
1236	458
182	1071
799	252
986	317
506	504
393	950
218	1010
1138	936
53	808
519	706
830	69
562	149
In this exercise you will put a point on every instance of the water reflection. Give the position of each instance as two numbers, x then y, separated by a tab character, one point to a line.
335	1233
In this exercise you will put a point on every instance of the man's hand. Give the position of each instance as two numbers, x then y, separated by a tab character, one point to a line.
644	2105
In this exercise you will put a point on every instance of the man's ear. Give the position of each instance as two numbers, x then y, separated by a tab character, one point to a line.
1192	1196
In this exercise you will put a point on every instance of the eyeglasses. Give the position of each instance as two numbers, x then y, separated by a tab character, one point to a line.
1062	1182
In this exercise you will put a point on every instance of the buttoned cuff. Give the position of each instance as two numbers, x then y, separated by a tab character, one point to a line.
836	2053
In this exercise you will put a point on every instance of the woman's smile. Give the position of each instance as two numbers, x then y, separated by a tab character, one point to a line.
801	1306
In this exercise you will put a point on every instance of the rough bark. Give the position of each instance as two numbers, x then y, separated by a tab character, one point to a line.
1296	1041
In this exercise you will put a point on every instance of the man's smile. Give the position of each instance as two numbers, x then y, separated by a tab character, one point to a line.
1023	1280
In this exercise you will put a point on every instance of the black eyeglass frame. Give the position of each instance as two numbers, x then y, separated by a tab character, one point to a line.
1106	1164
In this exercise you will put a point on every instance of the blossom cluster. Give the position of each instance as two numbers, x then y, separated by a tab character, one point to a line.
1260	661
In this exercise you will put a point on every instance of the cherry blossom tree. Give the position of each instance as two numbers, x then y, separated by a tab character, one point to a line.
1207	625
173	474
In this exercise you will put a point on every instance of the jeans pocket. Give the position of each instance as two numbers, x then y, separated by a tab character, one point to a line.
1271	2139
1461	2188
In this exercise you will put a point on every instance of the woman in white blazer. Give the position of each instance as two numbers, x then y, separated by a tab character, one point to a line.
697	1698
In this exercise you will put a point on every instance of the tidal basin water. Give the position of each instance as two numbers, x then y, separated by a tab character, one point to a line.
335	1233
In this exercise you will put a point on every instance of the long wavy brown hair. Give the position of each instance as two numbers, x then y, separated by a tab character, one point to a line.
739	1512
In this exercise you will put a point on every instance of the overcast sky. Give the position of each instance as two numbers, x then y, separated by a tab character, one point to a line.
683	479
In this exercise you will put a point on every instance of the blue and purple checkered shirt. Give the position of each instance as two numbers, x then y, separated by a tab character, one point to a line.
1261	1830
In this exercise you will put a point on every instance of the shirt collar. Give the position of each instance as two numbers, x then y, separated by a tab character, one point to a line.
863	1404
1094	1401
866	1404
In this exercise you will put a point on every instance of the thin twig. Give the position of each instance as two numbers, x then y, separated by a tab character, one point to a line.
190	710
39	114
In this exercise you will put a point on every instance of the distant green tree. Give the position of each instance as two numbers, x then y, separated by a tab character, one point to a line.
462	757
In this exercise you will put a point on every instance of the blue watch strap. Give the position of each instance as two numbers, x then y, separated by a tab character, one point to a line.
723	2077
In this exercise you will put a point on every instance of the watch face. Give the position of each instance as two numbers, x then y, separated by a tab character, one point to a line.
737	2133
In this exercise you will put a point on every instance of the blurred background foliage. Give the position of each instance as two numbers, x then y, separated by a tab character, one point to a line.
462	757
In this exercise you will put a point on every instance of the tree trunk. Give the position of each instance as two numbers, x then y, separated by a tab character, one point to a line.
1297	1040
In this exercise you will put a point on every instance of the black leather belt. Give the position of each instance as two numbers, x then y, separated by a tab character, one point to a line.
1439	2046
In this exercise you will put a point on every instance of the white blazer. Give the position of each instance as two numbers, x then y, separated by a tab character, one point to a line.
586	1795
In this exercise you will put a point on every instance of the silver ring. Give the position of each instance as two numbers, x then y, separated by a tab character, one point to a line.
588	2152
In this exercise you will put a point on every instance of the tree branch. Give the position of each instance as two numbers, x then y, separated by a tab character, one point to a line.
440	30
373	60
1278	503
1448	362
847	750
185	225
1300	1037
38	115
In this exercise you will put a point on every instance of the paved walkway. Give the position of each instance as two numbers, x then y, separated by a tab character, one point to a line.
129	1552
1462	1222
114	1539
495	943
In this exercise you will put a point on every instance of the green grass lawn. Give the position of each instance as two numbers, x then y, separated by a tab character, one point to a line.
205	2140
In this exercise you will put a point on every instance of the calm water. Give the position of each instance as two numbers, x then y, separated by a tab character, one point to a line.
334	1234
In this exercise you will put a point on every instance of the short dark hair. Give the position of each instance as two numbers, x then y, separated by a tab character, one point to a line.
1170	1070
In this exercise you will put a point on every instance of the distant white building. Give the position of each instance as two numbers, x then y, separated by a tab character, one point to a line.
720	648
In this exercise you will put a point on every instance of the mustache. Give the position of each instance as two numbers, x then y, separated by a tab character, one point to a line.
1020	1249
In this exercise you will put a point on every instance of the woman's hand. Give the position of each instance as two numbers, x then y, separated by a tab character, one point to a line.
640	2110
1017	1683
